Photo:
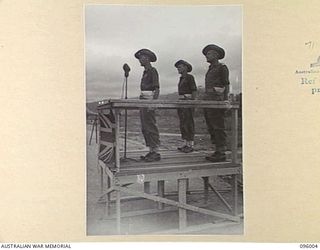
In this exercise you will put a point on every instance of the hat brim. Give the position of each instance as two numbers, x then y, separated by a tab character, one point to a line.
152	56
188	65
219	50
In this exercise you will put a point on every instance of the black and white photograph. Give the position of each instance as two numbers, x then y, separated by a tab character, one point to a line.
164	120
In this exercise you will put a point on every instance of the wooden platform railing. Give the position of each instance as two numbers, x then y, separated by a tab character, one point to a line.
130	104
174	166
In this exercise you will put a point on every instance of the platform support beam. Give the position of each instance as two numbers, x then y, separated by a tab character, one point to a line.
146	187
117	139
108	198
234	183
118	212
234	136
182	191
160	193
178	204
220	197
206	188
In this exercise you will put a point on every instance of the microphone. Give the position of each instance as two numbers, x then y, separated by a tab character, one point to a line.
126	69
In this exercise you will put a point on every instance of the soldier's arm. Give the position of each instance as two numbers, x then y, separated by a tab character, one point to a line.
225	76
226	93
194	95
156	93
225	81
193	87
155	82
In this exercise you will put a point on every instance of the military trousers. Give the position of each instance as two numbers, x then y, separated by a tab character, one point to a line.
149	127
216	123
186	123
216	128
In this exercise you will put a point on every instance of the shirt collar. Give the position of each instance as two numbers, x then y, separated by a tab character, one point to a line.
183	77
212	66
147	69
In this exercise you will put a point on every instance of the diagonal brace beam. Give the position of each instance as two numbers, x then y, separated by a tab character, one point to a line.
177	204
220	197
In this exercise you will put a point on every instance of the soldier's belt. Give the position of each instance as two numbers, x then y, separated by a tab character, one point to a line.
147	94
215	90
186	96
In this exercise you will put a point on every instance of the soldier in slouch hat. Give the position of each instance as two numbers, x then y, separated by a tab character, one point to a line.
149	90
216	88
187	90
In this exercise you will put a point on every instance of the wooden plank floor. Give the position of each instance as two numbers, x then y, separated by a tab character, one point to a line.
171	161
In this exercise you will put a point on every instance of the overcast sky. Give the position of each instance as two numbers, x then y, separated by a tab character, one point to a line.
114	33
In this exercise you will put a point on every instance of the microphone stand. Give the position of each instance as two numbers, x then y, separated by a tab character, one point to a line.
125	117
126	69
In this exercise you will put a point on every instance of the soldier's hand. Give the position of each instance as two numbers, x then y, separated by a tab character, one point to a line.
156	94
228	104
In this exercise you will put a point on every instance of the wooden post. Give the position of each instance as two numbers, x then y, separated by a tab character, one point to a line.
206	188
117	140
182	192
108	186
235	194
101	180
108	197
96	127
234	140
118	212
160	193
188	192
146	187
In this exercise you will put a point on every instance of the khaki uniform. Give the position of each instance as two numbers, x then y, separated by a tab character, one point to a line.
216	79
149	82
185	88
